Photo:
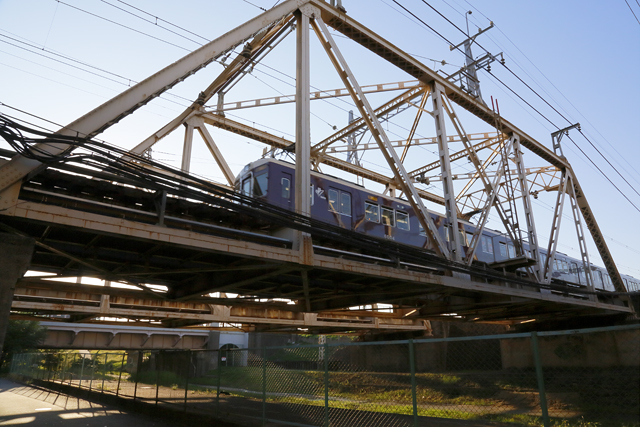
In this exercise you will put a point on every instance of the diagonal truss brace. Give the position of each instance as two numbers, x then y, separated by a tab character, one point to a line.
359	123
584	254
379	134
256	48
491	189
555	228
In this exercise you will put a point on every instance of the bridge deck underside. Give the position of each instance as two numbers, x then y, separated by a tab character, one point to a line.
90	227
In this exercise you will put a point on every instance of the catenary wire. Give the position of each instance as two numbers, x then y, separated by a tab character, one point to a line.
634	14
528	86
124	26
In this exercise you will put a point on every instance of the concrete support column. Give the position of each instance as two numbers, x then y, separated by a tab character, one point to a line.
15	257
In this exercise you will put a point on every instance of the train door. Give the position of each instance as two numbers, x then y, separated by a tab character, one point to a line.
340	206
285	198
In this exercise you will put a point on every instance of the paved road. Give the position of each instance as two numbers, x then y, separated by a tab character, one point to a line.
33	407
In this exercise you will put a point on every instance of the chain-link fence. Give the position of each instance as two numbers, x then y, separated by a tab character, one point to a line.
571	378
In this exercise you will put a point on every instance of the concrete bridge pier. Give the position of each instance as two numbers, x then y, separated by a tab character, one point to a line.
15	257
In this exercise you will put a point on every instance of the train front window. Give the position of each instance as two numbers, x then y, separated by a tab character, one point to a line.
260	184
371	212
402	220
387	217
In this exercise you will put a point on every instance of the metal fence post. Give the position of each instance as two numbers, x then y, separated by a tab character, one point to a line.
81	372
75	356
325	347
104	371
120	374
219	380
538	362
264	386
186	381
93	368
157	376
414	398
135	387
64	368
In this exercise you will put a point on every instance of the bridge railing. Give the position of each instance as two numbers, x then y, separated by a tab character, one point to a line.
566	378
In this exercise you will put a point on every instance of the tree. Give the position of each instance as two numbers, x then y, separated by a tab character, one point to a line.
22	335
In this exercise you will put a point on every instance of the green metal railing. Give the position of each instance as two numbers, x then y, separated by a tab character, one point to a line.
570	378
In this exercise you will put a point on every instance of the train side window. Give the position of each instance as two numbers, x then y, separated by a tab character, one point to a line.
345	203
402	220
286	188
607	282
469	238
421	230
574	271
503	249
246	186
487	246
340	202
371	212
512	250
333	200
582	275
597	277
463	238
573	268
387	217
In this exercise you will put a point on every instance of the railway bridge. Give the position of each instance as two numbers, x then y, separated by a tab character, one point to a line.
164	247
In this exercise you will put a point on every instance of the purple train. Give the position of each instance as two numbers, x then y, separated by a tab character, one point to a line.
350	206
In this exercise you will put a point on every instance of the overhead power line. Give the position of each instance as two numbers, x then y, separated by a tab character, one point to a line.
124	26
520	97
634	14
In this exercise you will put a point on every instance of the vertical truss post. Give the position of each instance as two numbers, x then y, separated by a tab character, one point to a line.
451	213
555	228
302	241
581	241
532	235
352	154
379	135
186	149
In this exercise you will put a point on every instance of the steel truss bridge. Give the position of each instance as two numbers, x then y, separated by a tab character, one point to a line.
123	218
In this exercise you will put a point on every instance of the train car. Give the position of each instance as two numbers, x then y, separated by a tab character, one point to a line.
352	207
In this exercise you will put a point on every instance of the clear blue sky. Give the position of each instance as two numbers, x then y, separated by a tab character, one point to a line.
582	57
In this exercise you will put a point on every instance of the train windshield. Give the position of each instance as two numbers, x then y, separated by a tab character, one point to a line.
255	183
